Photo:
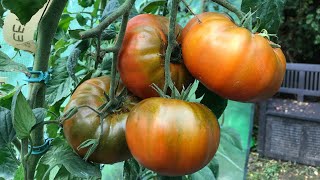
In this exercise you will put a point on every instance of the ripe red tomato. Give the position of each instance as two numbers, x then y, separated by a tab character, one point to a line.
172	137
230	60
85	124
141	59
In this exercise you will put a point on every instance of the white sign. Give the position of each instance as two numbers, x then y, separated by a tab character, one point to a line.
21	36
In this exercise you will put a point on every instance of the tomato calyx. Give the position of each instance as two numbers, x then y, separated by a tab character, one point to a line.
264	33
187	94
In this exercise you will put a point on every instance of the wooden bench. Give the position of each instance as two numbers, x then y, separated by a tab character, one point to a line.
302	80
289	129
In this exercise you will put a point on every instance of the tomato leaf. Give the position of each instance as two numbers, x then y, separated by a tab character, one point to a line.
152	5
60	86
269	12
214	102
7	132
6	93
111	6
60	153
23	9
81	20
65	22
112	171
231	136
8	65
85	3
231	158
131	169
40	114
40	171
22	115
204	174
8	165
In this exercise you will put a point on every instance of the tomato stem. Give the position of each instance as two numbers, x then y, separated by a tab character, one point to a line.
231	8
188	7
171	44
115	56
98	49
96	31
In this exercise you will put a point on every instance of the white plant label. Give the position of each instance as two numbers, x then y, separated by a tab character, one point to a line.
21	36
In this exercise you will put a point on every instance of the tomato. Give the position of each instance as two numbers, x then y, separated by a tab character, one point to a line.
141	58
85	124
172	137
230	60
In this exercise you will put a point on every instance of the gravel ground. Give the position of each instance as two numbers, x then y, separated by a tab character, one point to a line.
268	169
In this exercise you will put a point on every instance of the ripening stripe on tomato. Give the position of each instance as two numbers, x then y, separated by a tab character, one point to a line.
230	60
172	137
85	124
141	58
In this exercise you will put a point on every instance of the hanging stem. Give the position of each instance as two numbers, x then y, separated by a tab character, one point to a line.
95	32
189	9
171	43
98	59
231	8
116	54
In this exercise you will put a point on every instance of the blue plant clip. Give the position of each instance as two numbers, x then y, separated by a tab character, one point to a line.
36	150
41	76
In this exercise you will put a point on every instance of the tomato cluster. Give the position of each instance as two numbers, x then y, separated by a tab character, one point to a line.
170	136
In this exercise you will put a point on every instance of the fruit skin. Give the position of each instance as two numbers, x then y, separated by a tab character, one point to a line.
172	137
230	60
85	123
141	58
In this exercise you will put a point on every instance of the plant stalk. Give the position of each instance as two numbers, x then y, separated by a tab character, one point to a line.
171	43
96	32
24	151
46	30
231	8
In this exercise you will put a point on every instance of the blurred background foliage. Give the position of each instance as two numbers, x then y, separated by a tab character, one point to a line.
299	33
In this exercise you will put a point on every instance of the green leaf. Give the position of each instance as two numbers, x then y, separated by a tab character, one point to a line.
6	93
8	165
61	154
40	114
204	174
75	33
231	136
85	3
22	115
131	169
40	171
108	34
231	159
23	9
152	5
214	102
19	174
269	12
96	6
8	65
81	20
65	22
7	132
214	167
112	171
111	6
60	86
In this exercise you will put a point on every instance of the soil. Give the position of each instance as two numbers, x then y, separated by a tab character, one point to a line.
268	169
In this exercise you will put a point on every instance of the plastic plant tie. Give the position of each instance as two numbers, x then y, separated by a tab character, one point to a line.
41	76
42	148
